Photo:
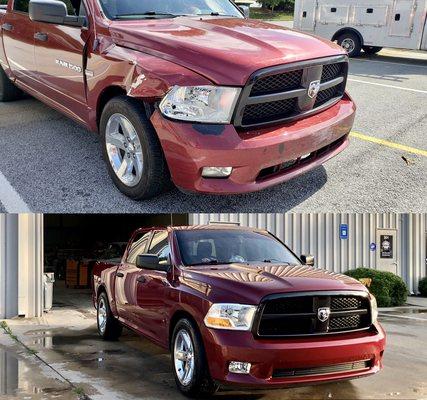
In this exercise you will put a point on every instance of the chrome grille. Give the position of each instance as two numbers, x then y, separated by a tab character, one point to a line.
280	94
297	314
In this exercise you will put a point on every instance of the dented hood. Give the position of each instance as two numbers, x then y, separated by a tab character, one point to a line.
226	51
249	283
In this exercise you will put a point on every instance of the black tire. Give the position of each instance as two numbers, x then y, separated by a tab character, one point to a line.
352	38
113	328
8	91
372	49
155	177
201	384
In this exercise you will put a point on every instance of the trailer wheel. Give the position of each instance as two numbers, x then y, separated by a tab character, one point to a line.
109	328
351	43
371	49
189	361
8	91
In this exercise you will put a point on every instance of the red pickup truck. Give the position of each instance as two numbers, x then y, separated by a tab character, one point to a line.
236	307
188	91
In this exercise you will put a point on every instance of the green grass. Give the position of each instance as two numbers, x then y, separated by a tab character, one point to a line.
262	13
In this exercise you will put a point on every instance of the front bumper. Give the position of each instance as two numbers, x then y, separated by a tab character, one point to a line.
266	356
190	147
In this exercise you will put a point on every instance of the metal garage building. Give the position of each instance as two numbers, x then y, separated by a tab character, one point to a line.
392	242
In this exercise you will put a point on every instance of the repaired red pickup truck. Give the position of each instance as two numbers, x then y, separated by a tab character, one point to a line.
183	90
236	307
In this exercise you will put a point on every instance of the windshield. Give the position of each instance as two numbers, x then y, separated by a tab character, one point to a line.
218	246
138	9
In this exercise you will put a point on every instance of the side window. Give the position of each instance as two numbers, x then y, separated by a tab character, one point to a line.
159	243
21	5
138	247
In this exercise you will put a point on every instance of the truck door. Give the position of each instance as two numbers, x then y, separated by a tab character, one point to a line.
306	16
18	40
151	290
127	276
59	59
402	18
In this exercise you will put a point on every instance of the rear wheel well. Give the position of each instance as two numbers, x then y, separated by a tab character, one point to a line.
347	30
174	320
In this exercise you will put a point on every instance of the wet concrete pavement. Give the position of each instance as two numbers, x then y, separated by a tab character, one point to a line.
133	368
23	376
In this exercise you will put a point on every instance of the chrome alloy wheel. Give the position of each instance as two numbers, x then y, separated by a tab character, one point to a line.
348	45
184	357
124	150
102	315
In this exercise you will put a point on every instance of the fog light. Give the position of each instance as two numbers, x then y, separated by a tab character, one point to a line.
216	172
238	367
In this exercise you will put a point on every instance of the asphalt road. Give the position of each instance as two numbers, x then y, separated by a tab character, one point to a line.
51	164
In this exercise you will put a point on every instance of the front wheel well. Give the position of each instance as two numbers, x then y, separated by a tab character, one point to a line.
174	320
338	33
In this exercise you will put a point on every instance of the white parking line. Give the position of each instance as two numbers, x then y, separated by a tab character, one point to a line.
388	86
391	62
402	316
10	199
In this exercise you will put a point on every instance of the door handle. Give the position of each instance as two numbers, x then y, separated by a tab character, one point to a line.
7	27
141	279
40	36
119	275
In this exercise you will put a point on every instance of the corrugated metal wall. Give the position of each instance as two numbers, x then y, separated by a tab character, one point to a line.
318	234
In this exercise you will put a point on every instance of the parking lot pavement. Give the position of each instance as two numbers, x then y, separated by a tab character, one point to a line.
133	368
53	165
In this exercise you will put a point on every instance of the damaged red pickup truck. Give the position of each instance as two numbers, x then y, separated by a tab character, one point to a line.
236	307
188	91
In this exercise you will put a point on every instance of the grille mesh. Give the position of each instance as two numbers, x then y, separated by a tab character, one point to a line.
325	95
341	323
331	71
277	83
345	303
269	111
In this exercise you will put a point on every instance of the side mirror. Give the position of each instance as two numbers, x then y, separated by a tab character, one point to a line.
151	261
245	10
53	12
307	260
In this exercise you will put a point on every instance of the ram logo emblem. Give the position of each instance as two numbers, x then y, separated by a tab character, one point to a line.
323	314
313	89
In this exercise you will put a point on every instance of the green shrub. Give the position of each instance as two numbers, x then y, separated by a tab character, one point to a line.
389	289
422	287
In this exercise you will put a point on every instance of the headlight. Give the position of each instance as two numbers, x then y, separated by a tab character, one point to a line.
238	317
374	309
210	104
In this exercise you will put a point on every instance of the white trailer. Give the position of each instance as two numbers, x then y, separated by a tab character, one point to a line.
365	24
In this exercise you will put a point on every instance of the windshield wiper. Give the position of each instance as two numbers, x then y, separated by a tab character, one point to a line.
275	260
146	14
217	14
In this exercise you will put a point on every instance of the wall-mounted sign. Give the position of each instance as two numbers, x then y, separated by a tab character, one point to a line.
386	246
373	246
343	231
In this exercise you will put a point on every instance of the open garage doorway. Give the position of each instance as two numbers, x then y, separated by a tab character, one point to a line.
73	243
